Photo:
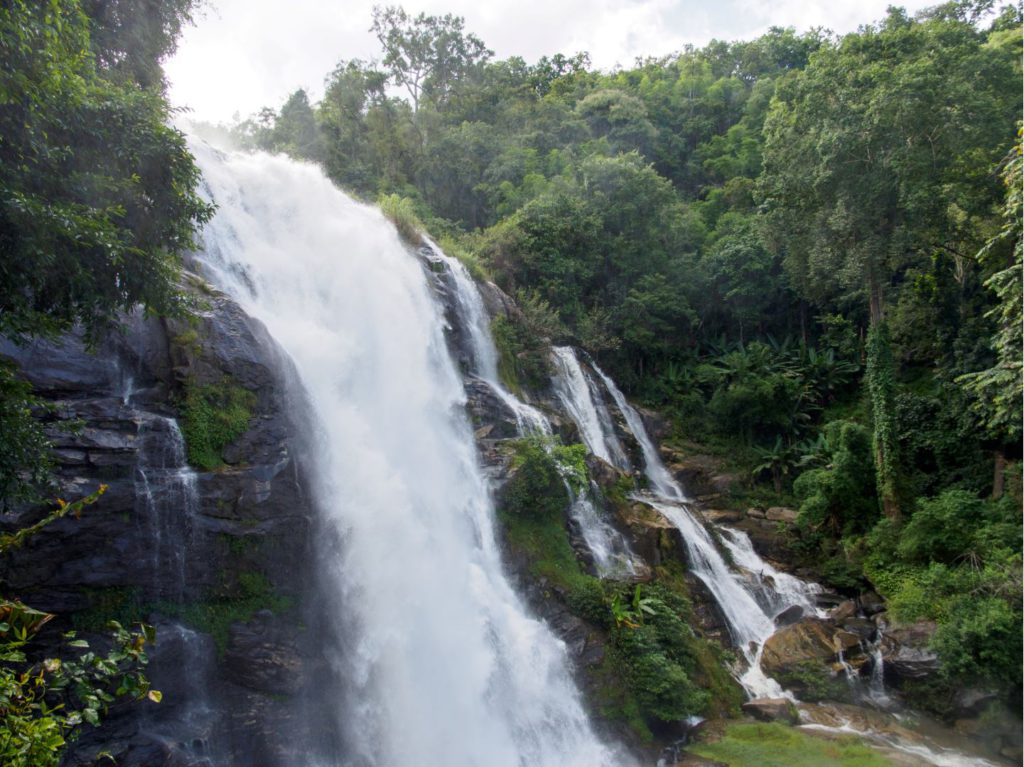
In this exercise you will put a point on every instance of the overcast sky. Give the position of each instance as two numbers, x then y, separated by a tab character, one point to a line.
245	54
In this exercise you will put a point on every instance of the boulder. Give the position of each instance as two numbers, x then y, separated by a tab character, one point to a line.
810	641
789	616
906	655
772	710
845	610
650	534
781	514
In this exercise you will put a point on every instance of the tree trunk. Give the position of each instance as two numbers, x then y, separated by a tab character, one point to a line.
880	378
999	477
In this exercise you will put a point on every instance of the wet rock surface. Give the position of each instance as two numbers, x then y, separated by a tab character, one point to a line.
166	539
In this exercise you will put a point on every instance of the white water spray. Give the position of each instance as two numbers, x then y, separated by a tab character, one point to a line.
529	419
576	393
447	667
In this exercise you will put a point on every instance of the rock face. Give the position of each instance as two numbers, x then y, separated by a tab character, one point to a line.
906	655
808	657
174	546
772	710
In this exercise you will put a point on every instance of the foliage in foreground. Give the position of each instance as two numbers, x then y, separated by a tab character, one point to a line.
45	702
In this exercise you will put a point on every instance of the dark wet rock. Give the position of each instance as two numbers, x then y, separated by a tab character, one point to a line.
252	521
772	710
870	603
487	410
906	654
789	616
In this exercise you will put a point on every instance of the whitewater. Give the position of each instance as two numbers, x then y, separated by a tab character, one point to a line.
442	663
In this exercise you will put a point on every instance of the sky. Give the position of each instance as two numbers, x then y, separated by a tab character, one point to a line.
242	55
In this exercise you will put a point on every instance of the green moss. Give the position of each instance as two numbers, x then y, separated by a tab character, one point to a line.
212	616
214	416
119	604
813	682
775	745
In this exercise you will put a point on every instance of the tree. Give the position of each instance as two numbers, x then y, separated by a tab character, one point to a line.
85	232
999	390
877	154
427	55
880	151
131	37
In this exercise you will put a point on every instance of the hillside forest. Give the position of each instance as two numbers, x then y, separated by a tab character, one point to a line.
803	249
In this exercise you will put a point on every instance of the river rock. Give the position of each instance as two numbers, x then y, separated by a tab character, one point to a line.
650	534
781	514
811	642
772	710
789	616
906	654
844	611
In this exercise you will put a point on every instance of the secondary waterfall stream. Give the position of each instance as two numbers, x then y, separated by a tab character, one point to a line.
444	664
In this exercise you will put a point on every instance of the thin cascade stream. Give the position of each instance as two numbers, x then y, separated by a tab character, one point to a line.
748	607
609	550
443	664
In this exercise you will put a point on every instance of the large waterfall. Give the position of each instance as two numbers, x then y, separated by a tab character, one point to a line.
442	663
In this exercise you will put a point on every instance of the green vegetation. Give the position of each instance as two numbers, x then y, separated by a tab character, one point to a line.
400	211
775	745
656	669
46	701
211	615
214	416
804	249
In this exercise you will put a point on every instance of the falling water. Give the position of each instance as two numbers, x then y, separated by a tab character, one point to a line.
444	665
749	618
583	403
474	318
661	481
609	550
167	499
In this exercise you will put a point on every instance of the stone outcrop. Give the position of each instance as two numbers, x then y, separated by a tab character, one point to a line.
173	546
772	710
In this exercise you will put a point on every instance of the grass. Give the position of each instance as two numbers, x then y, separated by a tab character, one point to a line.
775	745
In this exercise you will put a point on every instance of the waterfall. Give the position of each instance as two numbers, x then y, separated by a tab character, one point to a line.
474	318
167	499
661	481
609	550
747	604
166	506
581	400
443	664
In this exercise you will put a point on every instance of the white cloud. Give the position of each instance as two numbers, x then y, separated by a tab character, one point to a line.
245	54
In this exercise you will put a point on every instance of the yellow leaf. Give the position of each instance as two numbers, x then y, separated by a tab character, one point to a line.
155	695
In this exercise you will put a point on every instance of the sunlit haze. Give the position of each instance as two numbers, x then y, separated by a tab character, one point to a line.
246	54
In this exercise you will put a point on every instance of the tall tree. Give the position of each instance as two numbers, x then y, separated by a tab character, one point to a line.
878	154
427	55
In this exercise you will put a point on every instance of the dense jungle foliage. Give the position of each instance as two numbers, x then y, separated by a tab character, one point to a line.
805	249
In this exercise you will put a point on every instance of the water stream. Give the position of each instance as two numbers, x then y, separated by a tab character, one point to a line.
443	664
